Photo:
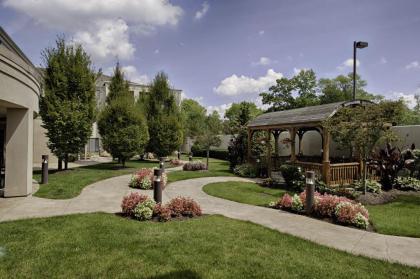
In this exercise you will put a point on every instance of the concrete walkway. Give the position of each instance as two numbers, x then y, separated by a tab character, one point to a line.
106	196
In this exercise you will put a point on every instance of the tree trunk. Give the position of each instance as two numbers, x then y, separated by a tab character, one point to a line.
123	162
208	155
66	161
60	163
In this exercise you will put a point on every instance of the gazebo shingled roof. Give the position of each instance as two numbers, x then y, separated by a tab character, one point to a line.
297	122
313	114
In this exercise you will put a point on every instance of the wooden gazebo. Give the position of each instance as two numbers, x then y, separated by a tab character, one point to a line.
297	122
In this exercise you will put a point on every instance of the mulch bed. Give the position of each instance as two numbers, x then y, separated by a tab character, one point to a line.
384	197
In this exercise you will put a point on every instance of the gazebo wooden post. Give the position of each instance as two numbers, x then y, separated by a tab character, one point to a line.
276	135
326	166
268	143
248	158
292	132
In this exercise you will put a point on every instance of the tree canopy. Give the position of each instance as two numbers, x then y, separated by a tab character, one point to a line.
209	136
194	117
121	124
239	115
163	117
67	106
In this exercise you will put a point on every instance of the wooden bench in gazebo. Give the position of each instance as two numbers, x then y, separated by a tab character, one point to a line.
297	122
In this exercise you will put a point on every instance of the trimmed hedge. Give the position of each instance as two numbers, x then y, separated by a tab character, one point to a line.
221	154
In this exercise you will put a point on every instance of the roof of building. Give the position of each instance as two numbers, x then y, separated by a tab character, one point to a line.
312	114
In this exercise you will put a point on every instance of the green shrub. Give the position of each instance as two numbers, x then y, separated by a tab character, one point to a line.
293	176
221	154
245	170
408	184
372	186
144	210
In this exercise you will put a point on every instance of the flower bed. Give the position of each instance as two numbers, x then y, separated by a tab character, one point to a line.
194	166
340	209
143	179
142	208
176	162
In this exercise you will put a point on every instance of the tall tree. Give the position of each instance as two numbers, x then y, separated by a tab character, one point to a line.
119	86
67	107
209	137
288	93
121	124
194	117
363	128
239	114
163	117
340	89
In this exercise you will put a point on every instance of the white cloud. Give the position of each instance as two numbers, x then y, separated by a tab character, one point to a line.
297	70
102	26
413	65
264	61
348	64
261	32
221	109
156	51
130	73
408	98
201	13
383	60
239	85
110	41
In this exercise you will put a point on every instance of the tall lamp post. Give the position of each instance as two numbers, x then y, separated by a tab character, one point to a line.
356	45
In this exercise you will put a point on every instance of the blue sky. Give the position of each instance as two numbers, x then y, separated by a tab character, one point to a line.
221	52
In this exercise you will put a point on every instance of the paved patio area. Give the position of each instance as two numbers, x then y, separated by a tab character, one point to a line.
106	196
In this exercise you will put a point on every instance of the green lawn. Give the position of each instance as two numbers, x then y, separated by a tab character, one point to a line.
400	217
107	246
217	168
68	184
244	192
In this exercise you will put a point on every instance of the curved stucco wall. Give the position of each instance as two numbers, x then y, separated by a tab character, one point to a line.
19	85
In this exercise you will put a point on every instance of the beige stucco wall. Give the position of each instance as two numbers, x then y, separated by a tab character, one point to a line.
40	144
19	93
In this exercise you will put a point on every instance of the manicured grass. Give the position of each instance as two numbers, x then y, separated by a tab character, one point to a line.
108	246
216	168
244	192
68	184
400	217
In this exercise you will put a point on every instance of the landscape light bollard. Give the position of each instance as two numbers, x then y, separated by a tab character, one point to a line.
190	158
258	167
157	186
44	177
310	191
162	164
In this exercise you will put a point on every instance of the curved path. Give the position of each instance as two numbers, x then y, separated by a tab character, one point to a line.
106	196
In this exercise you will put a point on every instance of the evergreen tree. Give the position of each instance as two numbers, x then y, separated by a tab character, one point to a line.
121	124
163	118
67	107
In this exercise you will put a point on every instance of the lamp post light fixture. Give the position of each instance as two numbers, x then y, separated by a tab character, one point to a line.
310	191
356	45
157	186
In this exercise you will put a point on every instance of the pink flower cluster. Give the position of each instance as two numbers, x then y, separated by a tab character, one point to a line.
176	162
130	202
175	208
325	204
341	209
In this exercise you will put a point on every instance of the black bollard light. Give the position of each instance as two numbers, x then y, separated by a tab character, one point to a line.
190	158
162	164
44	176
310	191
157	186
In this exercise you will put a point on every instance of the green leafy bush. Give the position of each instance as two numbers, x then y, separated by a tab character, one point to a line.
293	176
408	184
372	186
221	154
245	170
144	210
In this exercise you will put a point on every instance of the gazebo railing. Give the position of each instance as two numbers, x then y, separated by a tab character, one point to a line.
344	173
309	166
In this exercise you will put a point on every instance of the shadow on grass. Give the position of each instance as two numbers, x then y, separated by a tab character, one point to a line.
178	274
